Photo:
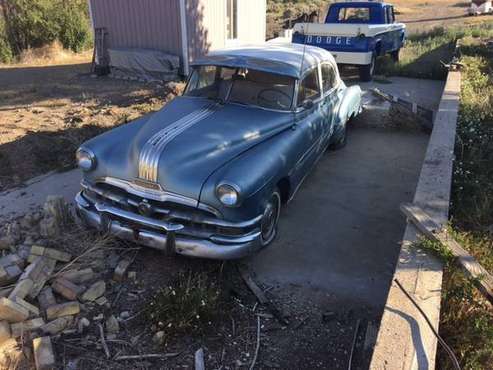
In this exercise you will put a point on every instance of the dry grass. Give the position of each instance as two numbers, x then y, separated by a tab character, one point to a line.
52	54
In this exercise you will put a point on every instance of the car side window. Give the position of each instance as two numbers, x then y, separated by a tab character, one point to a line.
309	87
328	77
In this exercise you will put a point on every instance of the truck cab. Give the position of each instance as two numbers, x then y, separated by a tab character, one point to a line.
356	33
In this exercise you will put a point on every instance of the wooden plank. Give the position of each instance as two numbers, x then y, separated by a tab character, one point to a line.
433	231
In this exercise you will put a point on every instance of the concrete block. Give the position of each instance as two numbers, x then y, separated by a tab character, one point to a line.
22	289
4	331
46	298
66	289
34	270
78	276
44	356
12	259
12	311
63	309
20	328
4	292
95	291
13	272
33	310
121	269
58	325
50	253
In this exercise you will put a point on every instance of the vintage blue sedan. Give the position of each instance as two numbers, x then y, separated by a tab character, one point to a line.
206	175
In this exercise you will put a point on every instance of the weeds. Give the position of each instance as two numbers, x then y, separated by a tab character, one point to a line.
189	305
466	320
421	56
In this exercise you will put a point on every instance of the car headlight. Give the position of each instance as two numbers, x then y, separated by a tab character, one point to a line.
86	159
228	195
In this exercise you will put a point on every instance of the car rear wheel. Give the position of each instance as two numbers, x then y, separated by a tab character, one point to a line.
270	218
366	71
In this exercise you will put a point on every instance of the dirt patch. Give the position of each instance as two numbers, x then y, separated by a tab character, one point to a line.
133	325
46	112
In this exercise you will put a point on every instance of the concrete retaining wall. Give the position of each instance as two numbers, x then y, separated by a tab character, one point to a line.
404	339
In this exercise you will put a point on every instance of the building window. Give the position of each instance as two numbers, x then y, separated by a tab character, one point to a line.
231	19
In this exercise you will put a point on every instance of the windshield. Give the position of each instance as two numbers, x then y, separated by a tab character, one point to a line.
242	86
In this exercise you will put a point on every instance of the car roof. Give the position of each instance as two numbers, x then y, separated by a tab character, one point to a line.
280	58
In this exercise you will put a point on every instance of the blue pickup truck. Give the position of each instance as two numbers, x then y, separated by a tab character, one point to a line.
356	33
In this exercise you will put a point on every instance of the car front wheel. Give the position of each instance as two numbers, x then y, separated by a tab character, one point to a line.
270	218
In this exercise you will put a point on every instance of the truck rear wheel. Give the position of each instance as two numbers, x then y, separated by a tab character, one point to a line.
395	55
366	71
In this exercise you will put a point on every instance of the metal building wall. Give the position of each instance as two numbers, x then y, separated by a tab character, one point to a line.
153	24
206	21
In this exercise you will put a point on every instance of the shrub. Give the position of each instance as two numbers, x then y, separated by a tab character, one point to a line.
36	23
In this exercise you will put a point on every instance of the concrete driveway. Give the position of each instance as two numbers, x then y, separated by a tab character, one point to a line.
341	232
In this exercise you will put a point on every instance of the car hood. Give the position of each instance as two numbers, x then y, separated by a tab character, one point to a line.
180	146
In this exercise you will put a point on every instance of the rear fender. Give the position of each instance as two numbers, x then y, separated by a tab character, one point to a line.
350	105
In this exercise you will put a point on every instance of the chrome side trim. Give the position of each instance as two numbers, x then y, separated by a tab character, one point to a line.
158	195
153	148
133	217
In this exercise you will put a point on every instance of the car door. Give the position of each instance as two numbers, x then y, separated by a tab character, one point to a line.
329	101
308	124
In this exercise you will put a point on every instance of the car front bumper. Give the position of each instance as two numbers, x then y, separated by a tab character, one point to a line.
162	235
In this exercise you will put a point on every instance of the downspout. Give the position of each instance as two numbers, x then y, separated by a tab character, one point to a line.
184	37
89	6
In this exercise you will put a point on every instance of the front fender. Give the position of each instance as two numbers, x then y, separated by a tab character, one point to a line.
256	173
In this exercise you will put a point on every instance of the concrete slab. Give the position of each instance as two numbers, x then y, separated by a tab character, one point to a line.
341	231
16	202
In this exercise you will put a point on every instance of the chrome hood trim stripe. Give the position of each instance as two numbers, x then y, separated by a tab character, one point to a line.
154	147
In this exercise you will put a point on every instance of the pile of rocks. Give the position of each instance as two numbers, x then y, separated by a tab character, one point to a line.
44	294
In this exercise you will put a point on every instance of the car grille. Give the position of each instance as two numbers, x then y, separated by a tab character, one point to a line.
197	222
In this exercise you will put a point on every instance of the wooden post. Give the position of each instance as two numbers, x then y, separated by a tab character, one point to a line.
433	231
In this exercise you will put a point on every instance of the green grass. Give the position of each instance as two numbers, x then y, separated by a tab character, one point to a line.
421	56
466	321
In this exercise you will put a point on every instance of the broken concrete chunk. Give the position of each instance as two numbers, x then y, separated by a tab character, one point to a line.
12	259
46	298
112	325
58	325
82	324
23	327
158	338
6	242
4	331
121	269
13	272
95	291
67	289
101	301
55	254
4	276
63	309
34	270
4	292
12	311
22	289
33	310
44	356
79	276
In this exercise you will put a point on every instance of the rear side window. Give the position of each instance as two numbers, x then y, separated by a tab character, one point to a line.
309	87
354	15
328	77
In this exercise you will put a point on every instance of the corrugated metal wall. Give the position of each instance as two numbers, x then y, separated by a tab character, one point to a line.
153	24
207	24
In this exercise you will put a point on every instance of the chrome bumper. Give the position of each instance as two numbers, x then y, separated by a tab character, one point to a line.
162	235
